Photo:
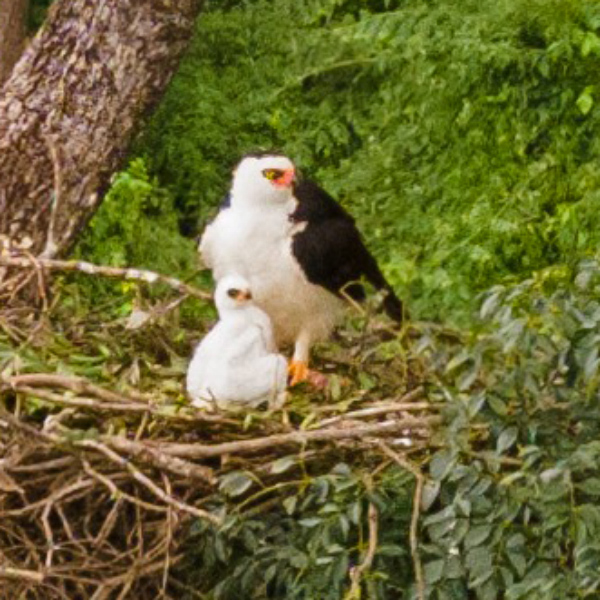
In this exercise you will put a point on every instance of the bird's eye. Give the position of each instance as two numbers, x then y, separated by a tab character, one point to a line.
233	293
273	174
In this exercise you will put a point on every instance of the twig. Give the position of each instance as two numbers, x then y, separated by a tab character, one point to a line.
48	533
297	437
406	398
416	511
106	406
118	493
142	275
147	482
51	247
10	573
57	463
172	464
375	411
80	484
79	385
357	572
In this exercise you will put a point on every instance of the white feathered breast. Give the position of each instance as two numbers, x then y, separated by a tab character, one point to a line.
255	242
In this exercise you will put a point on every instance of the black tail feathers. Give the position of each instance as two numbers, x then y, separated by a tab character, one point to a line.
393	306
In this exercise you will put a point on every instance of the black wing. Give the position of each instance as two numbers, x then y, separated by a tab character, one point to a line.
330	249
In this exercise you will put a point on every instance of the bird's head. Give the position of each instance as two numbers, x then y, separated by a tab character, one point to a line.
263	179
232	293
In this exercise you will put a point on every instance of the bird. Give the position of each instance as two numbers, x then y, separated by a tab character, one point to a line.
236	365
300	250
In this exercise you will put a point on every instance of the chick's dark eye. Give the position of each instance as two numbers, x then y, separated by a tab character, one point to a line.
272	174
233	293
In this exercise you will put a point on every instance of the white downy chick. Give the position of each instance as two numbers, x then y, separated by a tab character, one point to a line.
236	365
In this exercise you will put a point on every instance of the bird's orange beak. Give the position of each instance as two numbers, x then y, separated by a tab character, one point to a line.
286	180
243	295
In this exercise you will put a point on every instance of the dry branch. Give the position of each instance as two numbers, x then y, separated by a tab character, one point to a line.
141	275
37	384
357	572
148	483
300	438
10	573
414	523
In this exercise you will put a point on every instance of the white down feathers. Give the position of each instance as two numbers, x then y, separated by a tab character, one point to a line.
236	365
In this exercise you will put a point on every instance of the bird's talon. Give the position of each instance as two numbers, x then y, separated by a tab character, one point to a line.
298	372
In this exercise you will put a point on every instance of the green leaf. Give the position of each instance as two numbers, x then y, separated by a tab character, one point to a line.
585	100
289	504
431	490
441	464
497	405
235	483
478	562
477	535
283	464
590	486
506	439
310	522
433	571
590	43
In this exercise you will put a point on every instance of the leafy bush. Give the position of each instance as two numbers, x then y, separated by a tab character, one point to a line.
517	514
305	546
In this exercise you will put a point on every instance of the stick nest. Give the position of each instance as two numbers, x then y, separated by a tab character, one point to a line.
101	477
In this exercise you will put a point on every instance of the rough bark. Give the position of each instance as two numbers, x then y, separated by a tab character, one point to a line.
71	107
13	32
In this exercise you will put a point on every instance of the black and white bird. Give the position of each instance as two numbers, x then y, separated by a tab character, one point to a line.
298	248
236	365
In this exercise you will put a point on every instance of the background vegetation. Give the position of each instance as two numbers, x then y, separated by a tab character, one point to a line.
463	135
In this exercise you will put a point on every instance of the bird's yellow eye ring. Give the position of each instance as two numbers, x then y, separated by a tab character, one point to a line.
273	174
233	293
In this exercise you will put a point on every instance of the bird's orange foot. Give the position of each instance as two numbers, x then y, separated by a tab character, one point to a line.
298	371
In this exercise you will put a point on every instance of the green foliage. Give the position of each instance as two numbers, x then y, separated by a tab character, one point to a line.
463	135
304	546
37	13
517	515
137	226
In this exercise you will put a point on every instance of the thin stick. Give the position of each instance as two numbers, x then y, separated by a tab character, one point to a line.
296	437
74	487
79	385
147	482
142	275
173	464
51	246
104	406
416	511
10	573
118	493
376	411
357	573
406	398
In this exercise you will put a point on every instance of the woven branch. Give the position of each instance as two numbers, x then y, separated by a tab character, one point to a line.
141	275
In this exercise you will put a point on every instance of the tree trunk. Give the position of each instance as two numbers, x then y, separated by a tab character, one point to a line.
13	32
70	109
